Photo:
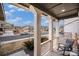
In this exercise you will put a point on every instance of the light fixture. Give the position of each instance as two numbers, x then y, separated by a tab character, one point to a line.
63	10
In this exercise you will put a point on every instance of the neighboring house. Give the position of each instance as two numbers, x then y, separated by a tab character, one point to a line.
8	33
28	29
31	29
18	31
8	29
44	29
8	26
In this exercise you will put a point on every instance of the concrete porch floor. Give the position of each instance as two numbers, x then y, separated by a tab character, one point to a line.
67	53
53	53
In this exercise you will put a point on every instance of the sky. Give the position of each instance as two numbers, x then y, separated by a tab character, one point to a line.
20	17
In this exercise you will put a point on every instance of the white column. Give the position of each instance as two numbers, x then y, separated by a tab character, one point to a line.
50	32
37	32
55	41
57	28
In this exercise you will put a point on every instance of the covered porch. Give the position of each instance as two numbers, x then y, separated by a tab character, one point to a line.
54	13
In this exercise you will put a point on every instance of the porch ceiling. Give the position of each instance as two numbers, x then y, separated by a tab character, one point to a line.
55	9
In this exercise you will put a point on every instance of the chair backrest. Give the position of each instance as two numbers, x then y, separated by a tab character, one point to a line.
69	42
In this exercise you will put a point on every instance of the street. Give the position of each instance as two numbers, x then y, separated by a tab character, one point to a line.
9	38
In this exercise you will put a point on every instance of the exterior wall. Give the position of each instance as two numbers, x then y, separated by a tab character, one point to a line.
73	26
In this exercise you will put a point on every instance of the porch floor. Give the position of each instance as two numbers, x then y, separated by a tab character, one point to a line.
67	53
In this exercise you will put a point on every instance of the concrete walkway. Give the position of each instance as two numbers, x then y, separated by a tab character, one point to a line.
20	53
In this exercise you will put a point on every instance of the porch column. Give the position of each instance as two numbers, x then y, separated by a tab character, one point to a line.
78	13
37	32
50	32
55	41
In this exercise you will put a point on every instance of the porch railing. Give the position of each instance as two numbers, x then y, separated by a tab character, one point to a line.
45	47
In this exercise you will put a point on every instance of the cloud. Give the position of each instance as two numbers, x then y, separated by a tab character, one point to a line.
20	9
27	22
7	13
12	10
15	20
12	6
18	18
15	7
23	23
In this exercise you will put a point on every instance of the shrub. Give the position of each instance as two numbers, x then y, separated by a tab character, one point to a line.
43	39
30	44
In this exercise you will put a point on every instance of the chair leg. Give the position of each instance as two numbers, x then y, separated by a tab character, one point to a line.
64	50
